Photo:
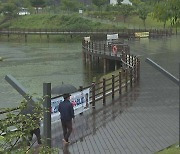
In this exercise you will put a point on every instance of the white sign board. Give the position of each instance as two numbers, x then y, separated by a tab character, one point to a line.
80	11
79	100
111	37
87	39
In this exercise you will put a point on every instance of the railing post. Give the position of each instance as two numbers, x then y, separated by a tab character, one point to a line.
93	95
120	84
132	61
110	49
88	46
138	69
80	88
92	45
104	91
126	77
104	49
112	86
47	114
131	76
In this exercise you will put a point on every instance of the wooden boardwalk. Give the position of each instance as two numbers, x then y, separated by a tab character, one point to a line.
121	32
142	122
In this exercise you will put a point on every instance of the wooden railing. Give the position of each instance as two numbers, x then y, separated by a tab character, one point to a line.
127	77
122	32
102	49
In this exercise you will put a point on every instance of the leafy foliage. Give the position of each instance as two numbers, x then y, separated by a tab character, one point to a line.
143	11
99	3
16	126
62	22
71	5
126	10
8	9
161	12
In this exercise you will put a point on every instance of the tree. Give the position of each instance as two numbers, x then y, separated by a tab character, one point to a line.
9	9
37	4
161	12
135	2
99	3
16	141
70	5
125	10
21	3
174	10
119	2
143	11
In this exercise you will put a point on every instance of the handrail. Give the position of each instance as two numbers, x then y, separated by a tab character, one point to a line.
129	32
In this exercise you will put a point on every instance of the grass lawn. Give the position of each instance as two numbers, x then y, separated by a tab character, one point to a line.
170	150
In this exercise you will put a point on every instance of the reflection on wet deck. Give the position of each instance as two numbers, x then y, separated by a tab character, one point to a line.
85	129
142	122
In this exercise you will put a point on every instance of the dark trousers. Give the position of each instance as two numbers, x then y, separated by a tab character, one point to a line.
37	133
67	129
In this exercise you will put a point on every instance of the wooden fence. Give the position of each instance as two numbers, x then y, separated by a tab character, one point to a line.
121	32
127	77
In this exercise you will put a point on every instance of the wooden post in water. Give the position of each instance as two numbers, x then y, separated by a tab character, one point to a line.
115	65
8	37
105	64
100	47
93	95
120	84
92	46
104	91
104	49
48	37
112	86
110	50
25	37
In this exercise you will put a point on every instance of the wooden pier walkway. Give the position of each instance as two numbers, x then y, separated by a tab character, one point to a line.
142	122
121	32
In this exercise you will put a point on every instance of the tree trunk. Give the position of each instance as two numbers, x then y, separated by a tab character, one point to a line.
124	19
164	25
36	10
144	24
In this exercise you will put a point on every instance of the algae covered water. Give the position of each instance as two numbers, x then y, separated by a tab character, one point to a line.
32	64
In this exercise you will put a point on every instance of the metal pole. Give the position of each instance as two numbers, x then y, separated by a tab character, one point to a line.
47	113
163	71
179	104
18	86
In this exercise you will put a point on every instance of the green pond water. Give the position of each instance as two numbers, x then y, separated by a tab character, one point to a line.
32	64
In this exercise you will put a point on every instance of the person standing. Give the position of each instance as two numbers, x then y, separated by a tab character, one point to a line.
36	131
67	114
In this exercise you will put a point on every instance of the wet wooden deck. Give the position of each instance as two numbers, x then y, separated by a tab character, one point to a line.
144	121
141	122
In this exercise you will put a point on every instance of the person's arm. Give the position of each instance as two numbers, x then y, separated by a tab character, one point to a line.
72	112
